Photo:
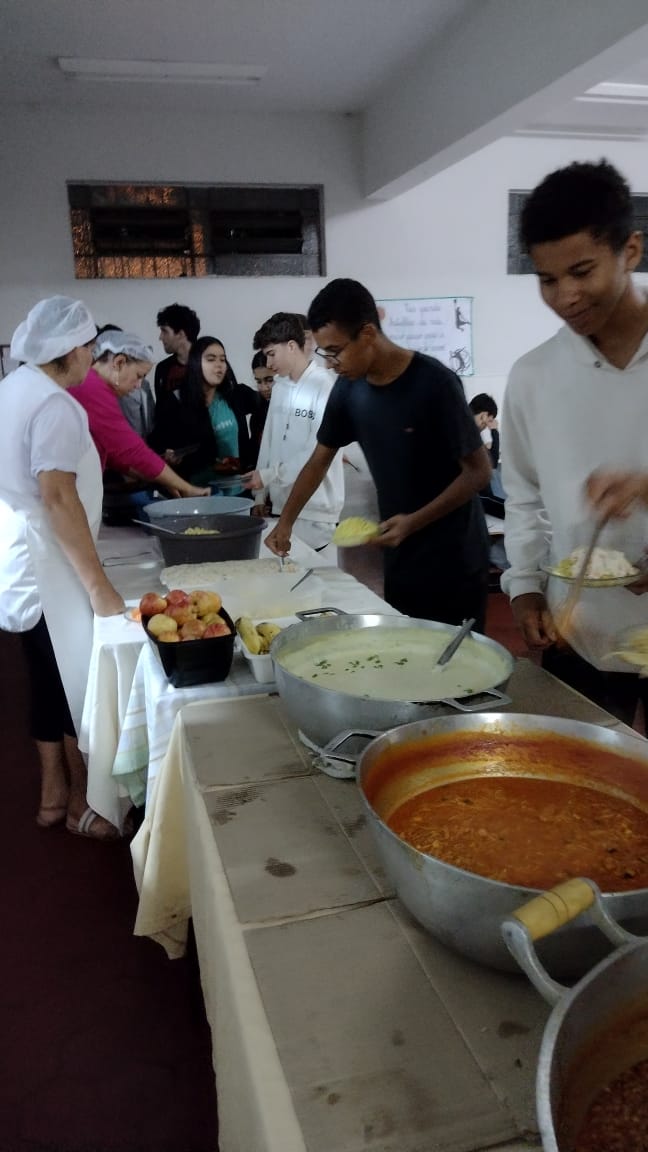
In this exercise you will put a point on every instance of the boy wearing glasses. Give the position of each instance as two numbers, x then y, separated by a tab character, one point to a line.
299	396
409	414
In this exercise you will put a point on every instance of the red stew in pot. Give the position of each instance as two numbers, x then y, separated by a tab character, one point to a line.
617	1120
529	831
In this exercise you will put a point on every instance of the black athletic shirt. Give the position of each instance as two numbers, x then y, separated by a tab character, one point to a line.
414	432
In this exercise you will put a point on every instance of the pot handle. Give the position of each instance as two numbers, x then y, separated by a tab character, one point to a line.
479	701
329	750
547	913
313	613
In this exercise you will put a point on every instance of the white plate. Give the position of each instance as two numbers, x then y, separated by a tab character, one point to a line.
589	582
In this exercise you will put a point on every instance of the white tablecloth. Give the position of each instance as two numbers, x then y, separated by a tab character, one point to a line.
130	707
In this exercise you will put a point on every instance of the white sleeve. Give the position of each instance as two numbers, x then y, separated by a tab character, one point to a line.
57	436
526	521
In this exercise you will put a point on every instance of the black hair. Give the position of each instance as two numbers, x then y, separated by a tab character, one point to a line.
259	360
180	319
303	320
346	303
483	403
109	328
192	389
583	197
279	329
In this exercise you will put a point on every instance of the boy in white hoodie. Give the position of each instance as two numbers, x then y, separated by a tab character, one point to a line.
297	404
576	405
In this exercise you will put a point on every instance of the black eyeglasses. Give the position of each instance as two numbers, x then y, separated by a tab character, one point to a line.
334	357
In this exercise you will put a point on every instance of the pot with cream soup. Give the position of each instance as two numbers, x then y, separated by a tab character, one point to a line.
375	672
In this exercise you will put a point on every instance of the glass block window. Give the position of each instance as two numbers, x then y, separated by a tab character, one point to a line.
155	231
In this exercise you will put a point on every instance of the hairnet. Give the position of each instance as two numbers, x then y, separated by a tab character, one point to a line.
52	328
125	342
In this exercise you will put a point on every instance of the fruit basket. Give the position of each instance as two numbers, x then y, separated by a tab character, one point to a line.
188	662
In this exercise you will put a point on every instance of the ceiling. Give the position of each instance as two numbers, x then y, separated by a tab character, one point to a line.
333	56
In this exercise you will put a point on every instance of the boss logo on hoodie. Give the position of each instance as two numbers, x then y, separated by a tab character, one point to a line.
307	412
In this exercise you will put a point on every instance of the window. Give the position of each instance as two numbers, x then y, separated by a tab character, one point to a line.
518	263
153	231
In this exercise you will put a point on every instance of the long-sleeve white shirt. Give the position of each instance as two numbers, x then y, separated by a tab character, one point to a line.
568	412
289	438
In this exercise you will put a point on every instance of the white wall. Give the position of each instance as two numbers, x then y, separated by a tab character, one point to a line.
446	237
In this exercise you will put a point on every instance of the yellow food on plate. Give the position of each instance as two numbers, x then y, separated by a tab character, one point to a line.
353	531
268	631
633	648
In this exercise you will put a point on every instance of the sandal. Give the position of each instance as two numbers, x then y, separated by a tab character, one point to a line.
84	826
57	814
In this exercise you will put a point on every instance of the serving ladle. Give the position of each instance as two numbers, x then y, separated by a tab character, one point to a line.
156	527
451	648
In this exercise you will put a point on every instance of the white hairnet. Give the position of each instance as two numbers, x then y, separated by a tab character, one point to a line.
125	342
52	328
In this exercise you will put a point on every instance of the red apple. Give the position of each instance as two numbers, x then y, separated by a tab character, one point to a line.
152	603
180	612
177	596
192	630
217	628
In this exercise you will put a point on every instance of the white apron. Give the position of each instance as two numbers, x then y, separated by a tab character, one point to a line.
65	602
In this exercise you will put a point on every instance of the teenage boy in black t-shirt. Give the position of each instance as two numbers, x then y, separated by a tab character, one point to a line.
409	414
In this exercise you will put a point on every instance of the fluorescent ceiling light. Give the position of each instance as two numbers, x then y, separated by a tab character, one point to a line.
160	71
615	93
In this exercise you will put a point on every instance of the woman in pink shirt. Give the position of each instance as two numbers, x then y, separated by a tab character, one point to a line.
120	363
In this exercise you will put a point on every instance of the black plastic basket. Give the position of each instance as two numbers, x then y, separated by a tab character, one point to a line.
238	538
192	662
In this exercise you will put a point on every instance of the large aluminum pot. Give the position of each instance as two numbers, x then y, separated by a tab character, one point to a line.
598	1029
322	713
465	910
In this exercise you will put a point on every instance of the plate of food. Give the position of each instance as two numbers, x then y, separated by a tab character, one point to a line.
607	568
354	531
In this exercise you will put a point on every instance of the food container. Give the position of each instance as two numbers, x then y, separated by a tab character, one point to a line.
199	506
236	538
191	662
321	713
598	1029
261	666
465	910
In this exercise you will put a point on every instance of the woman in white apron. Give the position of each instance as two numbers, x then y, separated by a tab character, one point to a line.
51	578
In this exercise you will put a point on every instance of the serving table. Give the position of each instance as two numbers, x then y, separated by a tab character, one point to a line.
338	1025
129	705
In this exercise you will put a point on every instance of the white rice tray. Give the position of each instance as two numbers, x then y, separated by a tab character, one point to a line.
254	588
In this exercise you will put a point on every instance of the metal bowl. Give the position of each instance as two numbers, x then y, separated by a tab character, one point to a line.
465	910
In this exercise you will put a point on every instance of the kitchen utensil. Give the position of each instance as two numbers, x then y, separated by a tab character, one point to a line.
564	613
307	573
599	1028
322	712
235	538
198	506
465	910
454	644
156	527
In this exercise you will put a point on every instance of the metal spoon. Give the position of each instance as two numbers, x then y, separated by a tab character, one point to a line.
455	642
307	573
156	527
564	613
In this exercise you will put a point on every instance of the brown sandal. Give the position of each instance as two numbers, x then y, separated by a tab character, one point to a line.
84	826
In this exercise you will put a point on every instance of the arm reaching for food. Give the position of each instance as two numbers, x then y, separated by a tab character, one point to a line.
615	494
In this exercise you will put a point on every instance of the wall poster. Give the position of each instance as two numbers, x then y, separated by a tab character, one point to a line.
439	326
